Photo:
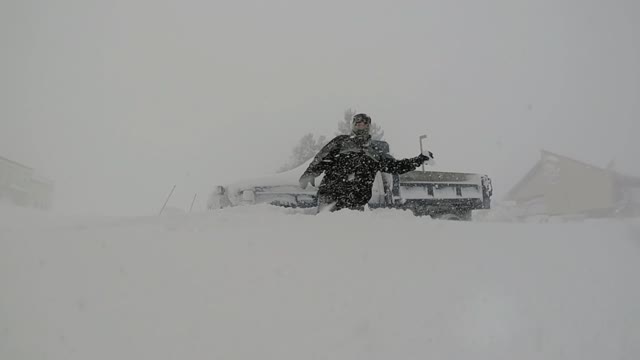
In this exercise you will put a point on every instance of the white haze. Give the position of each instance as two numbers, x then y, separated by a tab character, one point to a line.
117	101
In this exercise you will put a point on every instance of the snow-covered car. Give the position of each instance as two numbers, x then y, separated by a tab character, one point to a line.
280	189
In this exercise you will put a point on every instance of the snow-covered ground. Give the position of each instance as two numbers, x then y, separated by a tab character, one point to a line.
269	283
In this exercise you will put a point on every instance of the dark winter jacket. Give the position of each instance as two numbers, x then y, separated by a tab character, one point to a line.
350	164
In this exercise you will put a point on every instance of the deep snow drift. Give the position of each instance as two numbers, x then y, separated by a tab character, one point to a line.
269	283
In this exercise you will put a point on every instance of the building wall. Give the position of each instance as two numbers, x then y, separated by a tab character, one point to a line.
536	185
19	186
14	181
41	193
579	188
559	185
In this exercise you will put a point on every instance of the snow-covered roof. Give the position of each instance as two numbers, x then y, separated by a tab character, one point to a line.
9	161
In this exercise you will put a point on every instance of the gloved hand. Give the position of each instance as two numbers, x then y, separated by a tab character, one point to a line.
307	179
427	156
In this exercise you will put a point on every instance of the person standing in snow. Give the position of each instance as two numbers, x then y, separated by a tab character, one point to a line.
350	164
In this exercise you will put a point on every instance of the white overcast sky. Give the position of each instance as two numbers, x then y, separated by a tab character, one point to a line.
117	101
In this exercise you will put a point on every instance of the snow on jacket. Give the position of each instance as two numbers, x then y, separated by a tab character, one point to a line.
350	164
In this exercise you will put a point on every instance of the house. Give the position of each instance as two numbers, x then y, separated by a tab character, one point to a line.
21	186
559	185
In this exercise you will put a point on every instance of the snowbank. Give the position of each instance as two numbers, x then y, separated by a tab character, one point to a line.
261	282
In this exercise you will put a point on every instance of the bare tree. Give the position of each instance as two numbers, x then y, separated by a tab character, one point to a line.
308	146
